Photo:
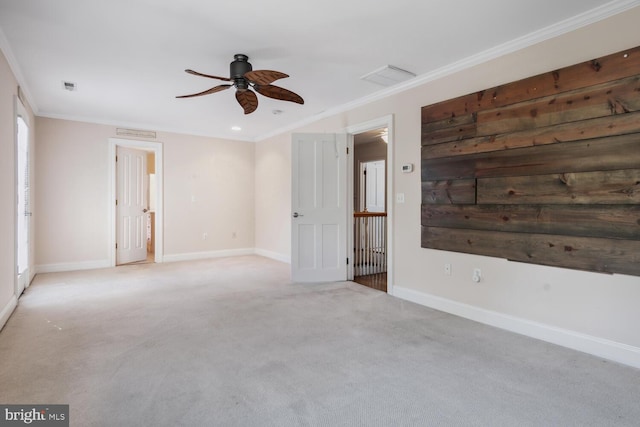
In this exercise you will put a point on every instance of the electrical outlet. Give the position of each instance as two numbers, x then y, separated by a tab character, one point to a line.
447	269
204	236
477	275
233	235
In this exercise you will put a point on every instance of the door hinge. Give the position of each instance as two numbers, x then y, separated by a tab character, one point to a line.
116	246
116	158
347	261
347	150
116	202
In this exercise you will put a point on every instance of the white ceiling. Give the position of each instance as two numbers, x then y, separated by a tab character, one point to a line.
128	57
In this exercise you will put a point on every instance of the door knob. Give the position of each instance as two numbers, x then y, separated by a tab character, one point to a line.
296	215
145	210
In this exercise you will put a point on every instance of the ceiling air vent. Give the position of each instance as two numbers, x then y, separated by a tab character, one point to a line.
70	86
136	132
388	75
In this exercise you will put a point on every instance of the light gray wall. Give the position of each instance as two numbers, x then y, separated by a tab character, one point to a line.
208	188
7	187
589	311
8	93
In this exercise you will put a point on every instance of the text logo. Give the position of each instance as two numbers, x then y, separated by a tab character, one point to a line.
34	415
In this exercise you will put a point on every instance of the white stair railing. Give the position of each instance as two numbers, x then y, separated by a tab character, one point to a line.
370	237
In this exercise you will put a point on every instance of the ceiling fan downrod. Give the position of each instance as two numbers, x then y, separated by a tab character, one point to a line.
238	68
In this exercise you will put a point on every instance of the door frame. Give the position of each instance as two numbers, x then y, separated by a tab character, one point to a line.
385	121
21	111
156	148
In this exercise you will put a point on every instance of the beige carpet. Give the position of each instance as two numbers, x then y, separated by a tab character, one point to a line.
231	342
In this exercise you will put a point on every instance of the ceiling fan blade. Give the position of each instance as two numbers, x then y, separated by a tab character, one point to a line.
247	100
277	92
207	92
195	73
264	77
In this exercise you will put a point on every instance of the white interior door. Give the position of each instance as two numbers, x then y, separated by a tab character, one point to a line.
131	205
319	207
374	186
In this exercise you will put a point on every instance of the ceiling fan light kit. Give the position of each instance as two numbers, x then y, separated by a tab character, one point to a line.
243	78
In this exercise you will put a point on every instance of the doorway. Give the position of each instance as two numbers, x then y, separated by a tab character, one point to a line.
370	229
135	200
370	220
23	200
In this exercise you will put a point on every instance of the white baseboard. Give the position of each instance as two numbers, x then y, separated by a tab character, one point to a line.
273	255
7	310
206	255
607	349
72	266
90	265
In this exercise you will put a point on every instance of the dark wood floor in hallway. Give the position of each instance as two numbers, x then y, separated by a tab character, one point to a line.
374	281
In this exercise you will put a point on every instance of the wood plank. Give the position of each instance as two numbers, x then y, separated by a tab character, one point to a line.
460	106
607	221
612	187
461	191
613	153
557	163
619	124
450	122
589	73
584	253
617	97
450	134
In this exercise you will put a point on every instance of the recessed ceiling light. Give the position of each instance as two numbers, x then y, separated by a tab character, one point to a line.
236	128
70	86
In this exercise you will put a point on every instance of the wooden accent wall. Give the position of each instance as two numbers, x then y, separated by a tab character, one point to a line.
544	170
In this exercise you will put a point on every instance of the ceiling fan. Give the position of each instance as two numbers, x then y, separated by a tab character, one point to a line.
244	78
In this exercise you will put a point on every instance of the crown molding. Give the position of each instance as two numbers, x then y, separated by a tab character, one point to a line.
131	125
571	24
